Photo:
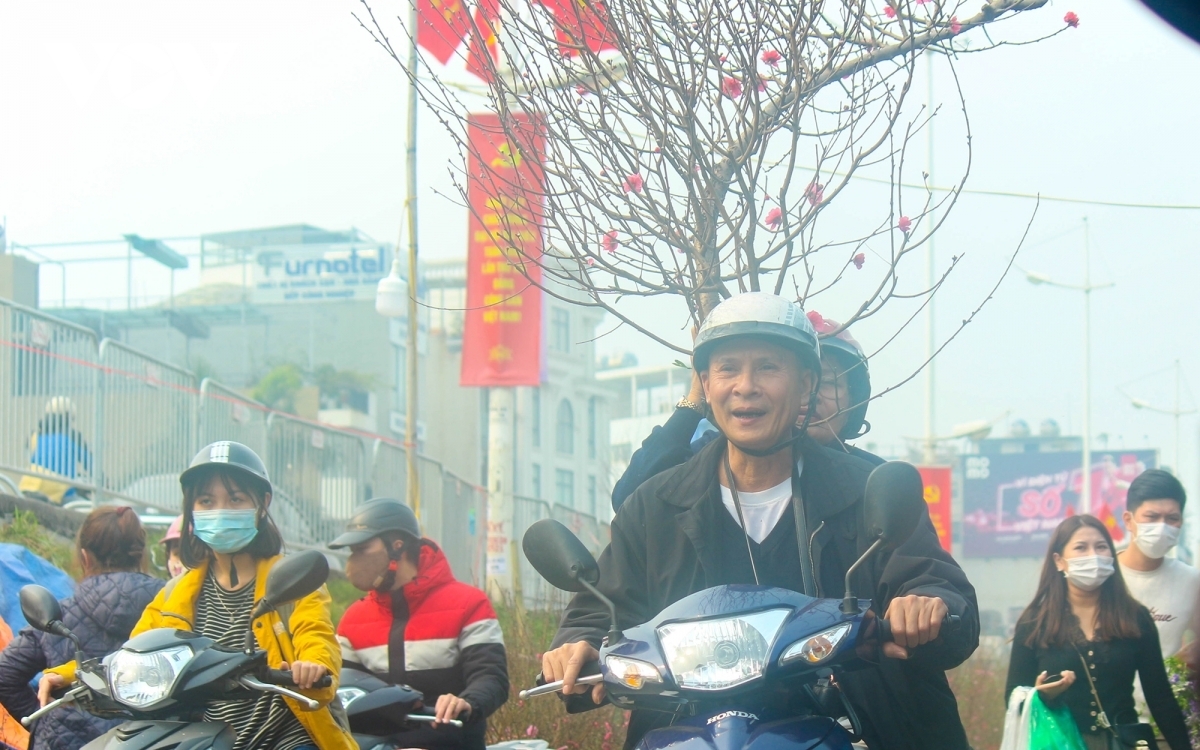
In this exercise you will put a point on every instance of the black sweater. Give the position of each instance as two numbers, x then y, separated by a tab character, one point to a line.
1112	664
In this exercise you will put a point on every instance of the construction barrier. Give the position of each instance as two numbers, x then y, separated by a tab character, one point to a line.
84	415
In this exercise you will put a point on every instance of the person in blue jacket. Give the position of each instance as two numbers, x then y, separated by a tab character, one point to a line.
107	603
841	413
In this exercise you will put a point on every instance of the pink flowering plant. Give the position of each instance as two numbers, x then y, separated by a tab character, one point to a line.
665	123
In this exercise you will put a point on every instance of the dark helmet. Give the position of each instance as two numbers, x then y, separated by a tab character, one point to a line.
375	517
762	315
243	462
854	363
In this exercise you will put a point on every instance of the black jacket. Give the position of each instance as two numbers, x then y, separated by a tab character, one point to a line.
671	444
102	612
662	549
1113	665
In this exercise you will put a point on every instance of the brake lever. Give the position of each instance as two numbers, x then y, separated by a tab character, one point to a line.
427	719
250	682
554	687
70	697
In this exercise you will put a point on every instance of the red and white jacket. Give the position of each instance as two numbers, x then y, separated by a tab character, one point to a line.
441	636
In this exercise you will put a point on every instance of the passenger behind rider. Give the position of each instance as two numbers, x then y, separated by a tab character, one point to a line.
679	533
170	543
419	626
110	548
841	413
229	543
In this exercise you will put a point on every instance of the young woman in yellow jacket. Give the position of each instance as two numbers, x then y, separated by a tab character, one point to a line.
230	544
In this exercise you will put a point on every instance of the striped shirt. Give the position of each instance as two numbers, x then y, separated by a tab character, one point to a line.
262	720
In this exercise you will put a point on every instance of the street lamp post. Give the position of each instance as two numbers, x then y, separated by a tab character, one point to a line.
1178	412
1087	287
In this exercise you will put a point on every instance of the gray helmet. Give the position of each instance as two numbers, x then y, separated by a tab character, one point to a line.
240	458
376	516
761	315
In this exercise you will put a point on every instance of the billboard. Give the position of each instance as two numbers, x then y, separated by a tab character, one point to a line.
937	496
318	272
1013	502
502	326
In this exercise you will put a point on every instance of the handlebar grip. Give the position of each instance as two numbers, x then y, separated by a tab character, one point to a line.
950	625
284	678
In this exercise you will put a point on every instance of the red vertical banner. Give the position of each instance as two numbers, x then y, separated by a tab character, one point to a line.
502	332
937	496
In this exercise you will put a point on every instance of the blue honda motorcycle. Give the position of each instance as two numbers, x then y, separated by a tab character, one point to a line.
741	667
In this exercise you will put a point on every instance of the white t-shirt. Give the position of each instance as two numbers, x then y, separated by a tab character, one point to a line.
762	509
1172	594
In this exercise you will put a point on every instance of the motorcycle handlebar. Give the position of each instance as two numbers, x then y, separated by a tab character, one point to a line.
950	625
284	677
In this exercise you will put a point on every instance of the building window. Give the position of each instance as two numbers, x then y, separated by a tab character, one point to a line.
564	487
535	482
564	437
591	495
537	417
560	329
591	427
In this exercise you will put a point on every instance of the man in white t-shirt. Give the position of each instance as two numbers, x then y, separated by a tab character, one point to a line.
1169	588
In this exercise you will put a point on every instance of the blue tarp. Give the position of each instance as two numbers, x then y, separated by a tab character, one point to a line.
20	567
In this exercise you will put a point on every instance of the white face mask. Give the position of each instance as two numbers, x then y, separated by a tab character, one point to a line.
1089	573
1155	540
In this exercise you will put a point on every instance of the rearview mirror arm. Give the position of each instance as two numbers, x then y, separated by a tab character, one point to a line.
263	607
614	634
850	601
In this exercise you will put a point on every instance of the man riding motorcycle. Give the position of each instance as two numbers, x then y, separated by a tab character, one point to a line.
419	626
841	413
682	532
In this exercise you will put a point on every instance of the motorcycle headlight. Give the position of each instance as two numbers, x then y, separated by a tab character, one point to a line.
718	654
349	694
816	648
143	679
632	672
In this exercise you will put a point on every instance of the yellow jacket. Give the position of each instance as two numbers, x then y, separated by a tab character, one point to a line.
308	636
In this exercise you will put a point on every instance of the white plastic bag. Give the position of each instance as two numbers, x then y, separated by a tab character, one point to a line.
1016	721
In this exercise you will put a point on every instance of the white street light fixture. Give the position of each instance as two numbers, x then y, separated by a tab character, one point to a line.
391	297
1177	412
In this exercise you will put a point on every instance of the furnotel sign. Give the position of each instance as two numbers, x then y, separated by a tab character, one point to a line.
316	272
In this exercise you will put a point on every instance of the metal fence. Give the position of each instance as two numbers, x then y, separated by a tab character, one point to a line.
123	425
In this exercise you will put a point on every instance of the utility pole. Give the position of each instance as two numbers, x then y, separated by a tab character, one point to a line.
410	207
501	557
930	452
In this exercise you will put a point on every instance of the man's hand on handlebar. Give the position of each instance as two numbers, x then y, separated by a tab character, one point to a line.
450	706
305	673
47	685
915	621
565	663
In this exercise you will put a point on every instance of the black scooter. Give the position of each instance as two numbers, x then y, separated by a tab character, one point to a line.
163	678
383	716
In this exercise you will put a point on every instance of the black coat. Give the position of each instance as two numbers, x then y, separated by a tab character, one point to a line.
662	549
102	612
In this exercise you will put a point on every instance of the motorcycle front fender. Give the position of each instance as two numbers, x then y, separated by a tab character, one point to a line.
166	735
742	730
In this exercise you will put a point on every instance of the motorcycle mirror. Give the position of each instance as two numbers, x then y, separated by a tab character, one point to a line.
894	500
40	608
559	557
294	577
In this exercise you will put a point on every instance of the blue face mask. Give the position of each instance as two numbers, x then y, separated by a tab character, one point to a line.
226	531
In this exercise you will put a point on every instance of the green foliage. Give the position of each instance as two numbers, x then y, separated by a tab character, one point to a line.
343	594
1187	695
978	685
25	530
277	389
332	381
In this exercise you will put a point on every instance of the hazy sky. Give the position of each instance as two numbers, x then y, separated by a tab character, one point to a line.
173	120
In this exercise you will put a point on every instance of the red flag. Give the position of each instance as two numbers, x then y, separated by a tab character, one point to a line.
442	25
482	55
937	496
581	23
503	326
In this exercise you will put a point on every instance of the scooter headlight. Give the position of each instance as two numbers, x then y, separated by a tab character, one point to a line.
718	654
816	648
139	680
349	694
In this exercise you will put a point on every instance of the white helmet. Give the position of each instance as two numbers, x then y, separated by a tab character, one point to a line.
761	315
60	405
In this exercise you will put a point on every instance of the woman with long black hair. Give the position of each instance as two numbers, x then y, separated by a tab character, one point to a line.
1083	639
